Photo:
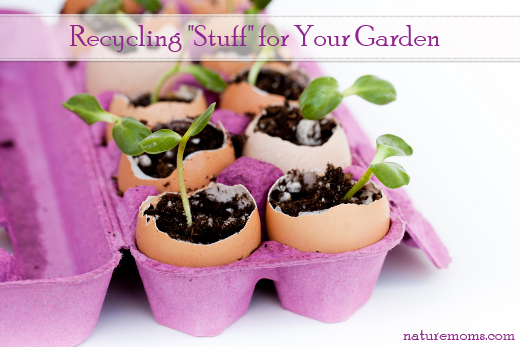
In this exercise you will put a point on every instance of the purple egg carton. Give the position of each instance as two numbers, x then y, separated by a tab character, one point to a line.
203	302
54	205
67	225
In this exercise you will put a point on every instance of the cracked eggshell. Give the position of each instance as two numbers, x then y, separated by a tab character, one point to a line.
159	112
342	228
231	68
129	76
287	155
198	167
159	246
245	98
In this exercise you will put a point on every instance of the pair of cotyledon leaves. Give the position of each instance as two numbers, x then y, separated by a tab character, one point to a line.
323	95
134	138
131	136
392	175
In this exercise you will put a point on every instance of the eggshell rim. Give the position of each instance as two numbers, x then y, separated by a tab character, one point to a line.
127	99
275	68
289	146
255	120
142	176
148	201
314	213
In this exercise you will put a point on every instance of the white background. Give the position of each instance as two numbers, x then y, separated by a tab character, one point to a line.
462	120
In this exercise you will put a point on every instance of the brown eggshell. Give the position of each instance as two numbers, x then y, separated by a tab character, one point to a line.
130	76
159	112
231	68
199	167
210	6
79	6
158	245
342	228
287	155
244	98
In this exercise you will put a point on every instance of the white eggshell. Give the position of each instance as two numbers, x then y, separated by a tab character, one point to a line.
287	155
342	228
158	245
198	169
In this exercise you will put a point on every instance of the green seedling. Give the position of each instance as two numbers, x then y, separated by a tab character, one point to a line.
392	175
258	5
266	53
323	94
116	6
127	132
124	20
209	79
164	140
134	138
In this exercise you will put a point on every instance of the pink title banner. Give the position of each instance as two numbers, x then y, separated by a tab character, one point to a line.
247	37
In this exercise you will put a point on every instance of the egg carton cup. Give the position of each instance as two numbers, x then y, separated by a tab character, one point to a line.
326	287
67	225
205	301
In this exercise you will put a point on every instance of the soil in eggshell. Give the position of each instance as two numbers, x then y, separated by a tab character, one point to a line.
145	99
163	164
328	191
282	120
289	85
212	220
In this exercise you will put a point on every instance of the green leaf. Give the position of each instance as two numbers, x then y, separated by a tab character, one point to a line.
151	5
160	141
105	7
87	108
373	89
390	146
260	4
128	133
320	98
392	175
199	123
209	79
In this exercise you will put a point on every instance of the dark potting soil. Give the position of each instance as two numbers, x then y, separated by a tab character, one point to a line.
294	196
238	144
163	164
212	221
281	121
185	94
290	85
